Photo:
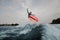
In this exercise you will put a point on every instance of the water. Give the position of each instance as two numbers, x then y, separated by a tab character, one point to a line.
30	32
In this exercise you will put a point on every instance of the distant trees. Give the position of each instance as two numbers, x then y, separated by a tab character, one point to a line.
9	24
56	21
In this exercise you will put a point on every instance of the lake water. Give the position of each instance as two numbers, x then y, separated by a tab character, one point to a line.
30	32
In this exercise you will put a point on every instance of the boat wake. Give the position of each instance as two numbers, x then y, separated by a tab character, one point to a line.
31	32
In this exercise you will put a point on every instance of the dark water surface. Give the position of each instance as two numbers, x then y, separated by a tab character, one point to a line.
30	32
